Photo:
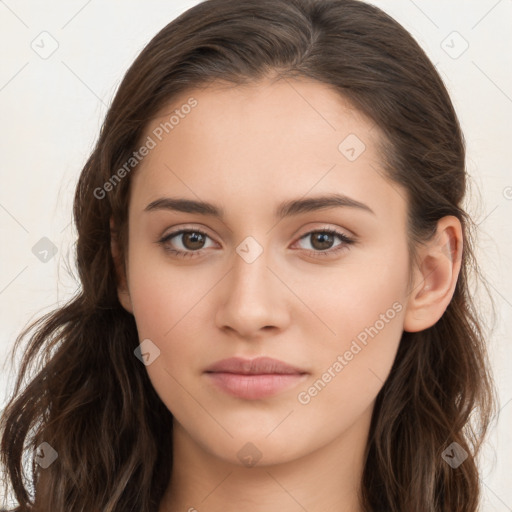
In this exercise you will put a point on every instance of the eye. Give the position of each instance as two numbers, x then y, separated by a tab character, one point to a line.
323	239
192	241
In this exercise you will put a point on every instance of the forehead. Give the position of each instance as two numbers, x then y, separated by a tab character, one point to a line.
279	139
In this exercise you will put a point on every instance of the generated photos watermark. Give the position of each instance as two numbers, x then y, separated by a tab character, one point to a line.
361	340
150	143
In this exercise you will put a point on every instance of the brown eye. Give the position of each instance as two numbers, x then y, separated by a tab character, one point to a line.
189	242
322	242
193	240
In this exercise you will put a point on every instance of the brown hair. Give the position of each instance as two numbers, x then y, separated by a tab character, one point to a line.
92	400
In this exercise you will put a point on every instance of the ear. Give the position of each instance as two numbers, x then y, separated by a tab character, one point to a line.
123	292
435	276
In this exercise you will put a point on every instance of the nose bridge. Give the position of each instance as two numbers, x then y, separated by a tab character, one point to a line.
253	294
250	275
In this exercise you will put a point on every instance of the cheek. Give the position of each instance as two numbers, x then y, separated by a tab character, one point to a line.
361	310
345	300
168	306
164	294
167	309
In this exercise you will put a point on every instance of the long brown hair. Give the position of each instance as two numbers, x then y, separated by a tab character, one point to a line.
91	399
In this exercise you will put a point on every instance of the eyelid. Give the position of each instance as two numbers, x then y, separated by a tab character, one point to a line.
197	228
327	227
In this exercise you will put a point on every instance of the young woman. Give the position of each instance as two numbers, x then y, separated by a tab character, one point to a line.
274	258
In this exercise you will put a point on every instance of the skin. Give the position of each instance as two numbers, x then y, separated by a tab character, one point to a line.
247	149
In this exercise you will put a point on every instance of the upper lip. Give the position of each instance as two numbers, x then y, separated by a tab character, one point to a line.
257	366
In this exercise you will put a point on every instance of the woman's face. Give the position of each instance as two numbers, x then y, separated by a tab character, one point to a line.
257	277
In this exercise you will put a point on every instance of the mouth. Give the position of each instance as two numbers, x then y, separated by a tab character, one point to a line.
254	387
254	379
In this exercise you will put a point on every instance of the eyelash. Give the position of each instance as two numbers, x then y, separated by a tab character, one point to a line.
187	254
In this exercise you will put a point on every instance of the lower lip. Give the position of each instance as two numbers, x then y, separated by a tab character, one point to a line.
253	387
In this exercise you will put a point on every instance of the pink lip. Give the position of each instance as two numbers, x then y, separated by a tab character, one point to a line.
258	365
254	378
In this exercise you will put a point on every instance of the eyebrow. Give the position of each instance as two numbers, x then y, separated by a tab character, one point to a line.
285	209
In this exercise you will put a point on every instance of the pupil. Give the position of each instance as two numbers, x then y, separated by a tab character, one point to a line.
324	239
195	238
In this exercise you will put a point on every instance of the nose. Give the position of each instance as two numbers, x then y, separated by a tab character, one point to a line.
253	298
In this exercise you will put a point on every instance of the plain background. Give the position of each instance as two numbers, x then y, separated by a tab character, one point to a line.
52	107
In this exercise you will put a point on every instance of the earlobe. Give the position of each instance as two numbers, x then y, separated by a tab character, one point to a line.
123	292
435	277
